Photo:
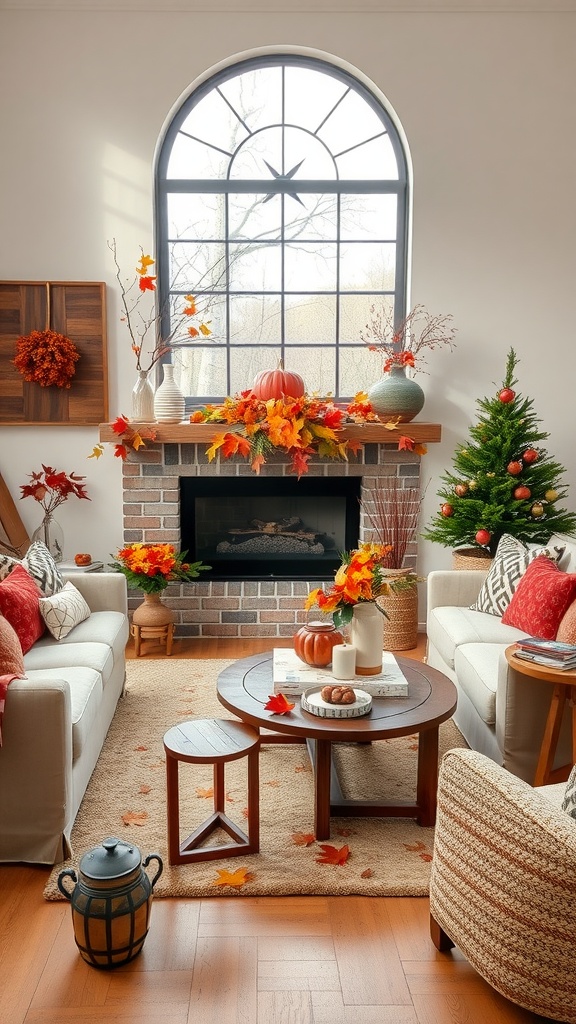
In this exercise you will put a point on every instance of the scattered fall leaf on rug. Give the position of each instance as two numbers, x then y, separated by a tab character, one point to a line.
236	879
420	849
135	818
331	855
367	874
303	768
272	782
141	748
303	838
278	704
204	794
145	789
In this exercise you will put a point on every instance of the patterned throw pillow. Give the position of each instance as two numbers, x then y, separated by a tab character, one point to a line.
541	598
510	563
19	597
569	801
39	564
64	610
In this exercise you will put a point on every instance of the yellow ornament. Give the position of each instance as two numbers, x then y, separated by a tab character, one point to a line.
472	484
551	495
537	510
490	475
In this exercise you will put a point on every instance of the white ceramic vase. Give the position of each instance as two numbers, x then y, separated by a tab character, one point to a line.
143	399
367	636
169	403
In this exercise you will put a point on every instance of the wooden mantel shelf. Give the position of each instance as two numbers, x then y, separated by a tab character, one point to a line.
367	433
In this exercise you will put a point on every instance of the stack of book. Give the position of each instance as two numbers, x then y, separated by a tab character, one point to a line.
548	653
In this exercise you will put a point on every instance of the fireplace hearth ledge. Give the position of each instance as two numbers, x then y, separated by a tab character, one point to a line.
367	433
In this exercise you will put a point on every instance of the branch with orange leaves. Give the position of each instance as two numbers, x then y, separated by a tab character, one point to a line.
129	437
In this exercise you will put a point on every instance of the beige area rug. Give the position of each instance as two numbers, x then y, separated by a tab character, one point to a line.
126	797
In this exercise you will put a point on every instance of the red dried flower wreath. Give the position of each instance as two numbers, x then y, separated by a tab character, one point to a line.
46	358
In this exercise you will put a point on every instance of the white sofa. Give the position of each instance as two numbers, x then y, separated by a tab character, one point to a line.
55	723
500	712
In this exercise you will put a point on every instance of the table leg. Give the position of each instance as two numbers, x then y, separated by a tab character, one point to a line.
172	809
427	784
219	794
136	635
573	706
322	767
551	733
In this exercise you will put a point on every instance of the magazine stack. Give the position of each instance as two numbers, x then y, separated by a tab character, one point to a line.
548	653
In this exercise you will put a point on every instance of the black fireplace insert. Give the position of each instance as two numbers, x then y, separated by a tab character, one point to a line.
269	528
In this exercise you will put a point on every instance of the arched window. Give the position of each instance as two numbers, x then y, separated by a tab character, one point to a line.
281	203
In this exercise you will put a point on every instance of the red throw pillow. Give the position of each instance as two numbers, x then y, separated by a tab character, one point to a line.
541	598
11	662
19	603
567	628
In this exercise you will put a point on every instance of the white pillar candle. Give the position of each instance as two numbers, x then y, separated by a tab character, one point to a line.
343	661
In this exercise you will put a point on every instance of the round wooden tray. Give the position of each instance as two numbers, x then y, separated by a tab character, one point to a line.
312	702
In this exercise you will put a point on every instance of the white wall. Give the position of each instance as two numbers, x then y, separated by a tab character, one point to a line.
487	103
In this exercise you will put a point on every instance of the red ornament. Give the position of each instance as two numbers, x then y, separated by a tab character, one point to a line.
514	468
483	537
447	510
522	493
507	395
461	490
530	456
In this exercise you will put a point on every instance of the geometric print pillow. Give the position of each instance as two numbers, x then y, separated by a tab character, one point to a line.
64	610
510	563
569	801
39	564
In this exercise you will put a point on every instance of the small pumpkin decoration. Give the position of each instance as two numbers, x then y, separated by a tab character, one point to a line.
83	559
313	643
277	383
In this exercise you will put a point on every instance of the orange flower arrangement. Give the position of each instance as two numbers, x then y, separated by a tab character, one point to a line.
151	567
361	577
46	358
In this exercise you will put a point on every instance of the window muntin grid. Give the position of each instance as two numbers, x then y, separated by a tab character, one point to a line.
281	197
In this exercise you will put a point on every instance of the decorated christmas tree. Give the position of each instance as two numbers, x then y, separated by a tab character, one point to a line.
503	480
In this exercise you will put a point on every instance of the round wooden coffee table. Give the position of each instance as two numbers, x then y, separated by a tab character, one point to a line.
564	688
245	687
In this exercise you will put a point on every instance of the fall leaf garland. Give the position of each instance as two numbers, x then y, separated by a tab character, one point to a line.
46	358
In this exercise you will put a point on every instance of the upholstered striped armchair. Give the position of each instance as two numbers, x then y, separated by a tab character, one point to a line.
503	884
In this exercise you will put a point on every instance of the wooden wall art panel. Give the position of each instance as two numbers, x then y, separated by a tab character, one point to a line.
76	309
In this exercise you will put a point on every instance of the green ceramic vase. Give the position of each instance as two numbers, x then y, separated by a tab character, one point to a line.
396	396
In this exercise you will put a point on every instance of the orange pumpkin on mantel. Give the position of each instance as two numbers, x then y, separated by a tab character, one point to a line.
313	643
277	383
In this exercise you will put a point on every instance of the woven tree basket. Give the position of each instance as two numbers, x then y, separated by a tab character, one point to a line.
401	607
471	558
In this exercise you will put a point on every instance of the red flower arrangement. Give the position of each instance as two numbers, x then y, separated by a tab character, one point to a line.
51	488
46	358
418	332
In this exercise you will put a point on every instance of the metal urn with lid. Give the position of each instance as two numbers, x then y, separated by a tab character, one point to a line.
111	902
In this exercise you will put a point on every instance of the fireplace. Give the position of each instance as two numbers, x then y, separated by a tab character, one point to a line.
273	528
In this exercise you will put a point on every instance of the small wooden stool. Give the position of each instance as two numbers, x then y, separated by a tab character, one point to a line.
212	741
162	634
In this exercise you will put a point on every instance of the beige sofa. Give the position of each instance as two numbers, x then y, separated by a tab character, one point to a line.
55	723
501	712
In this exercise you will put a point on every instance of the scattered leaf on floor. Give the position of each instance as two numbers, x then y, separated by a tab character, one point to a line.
367	874
135	818
303	768
303	838
415	847
236	879
140	748
204	794
331	855
145	789
273	782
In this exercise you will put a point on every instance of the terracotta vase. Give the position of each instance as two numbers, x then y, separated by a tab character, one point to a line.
152	612
367	636
396	396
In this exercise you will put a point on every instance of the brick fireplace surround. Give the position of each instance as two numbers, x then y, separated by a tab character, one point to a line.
236	608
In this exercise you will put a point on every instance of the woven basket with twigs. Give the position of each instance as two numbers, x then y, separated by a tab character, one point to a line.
471	558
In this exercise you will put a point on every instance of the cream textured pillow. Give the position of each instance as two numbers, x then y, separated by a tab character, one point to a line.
64	610
510	563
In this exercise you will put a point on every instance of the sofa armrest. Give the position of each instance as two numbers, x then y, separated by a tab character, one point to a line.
35	769
502	884
455	587
103	591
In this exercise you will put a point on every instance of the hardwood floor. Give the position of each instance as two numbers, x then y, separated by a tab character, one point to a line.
240	960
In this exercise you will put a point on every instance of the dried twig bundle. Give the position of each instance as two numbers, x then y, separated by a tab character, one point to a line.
393	514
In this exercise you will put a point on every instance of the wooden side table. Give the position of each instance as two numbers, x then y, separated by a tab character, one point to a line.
212	741
564	689
161	634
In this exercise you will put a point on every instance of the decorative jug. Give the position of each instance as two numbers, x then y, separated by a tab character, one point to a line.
111	902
